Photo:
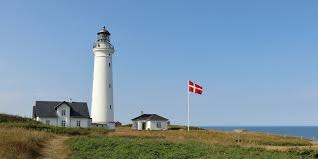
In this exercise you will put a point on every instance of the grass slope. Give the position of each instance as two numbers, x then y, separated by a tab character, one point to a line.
217	137
24	138
15	118
18	143
151	148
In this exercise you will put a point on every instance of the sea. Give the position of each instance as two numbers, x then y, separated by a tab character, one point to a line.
309	132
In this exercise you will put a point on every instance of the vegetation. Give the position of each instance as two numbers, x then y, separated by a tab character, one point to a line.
18	143
14	118
55	129
12	121
217	137
24	138
148	148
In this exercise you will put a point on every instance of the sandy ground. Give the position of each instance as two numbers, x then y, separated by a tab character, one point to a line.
55	148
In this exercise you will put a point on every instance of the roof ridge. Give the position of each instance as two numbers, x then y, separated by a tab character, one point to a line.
60	101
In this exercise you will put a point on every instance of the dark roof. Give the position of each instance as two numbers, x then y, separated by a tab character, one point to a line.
154	117
48	109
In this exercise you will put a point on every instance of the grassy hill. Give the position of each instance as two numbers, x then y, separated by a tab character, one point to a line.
153	148
26	138
4	118
18	142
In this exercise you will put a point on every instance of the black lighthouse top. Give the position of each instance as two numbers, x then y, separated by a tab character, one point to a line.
103	36
103	31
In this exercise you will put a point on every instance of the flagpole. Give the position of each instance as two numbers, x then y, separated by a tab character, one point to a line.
188	108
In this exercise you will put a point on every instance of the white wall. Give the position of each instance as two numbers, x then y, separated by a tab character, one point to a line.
66	118
153	125
53	121
150	125
134	125
84	122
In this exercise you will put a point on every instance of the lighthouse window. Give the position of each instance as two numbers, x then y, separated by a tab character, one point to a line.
109	64
110	85
110	106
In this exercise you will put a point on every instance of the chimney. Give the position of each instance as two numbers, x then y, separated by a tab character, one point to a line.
141	112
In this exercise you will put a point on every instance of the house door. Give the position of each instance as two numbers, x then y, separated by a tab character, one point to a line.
143	126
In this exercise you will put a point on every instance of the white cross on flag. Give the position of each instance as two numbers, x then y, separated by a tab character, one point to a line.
195	88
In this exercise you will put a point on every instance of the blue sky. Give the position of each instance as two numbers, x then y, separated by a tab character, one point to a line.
257	60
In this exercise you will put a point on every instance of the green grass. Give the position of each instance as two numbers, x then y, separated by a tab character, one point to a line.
55	129
23	138
150	148
12	121
217	137
15	118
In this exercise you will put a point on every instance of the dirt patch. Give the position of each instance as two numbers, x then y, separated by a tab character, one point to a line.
55	148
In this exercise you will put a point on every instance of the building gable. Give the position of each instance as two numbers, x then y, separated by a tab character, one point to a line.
62	104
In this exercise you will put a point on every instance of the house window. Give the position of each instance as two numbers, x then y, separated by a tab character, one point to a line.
63	123
158	124
78	123
63	112
47	122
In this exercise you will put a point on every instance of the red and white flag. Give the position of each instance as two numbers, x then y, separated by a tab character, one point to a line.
195	88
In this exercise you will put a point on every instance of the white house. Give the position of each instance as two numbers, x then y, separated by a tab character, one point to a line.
65	114
149	122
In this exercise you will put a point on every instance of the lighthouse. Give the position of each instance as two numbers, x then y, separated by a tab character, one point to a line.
102	111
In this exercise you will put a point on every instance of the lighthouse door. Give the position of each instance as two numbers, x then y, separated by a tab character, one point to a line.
143	126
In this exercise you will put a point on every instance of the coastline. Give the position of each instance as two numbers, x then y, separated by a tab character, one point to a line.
304	132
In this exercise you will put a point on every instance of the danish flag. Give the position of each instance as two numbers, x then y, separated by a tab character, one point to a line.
195	88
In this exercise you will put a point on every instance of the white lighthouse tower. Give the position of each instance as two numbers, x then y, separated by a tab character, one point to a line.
102	111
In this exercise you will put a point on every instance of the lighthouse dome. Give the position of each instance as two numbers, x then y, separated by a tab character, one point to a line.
104	31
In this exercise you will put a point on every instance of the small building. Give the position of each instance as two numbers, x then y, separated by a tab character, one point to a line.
150	122
117	123
62	113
